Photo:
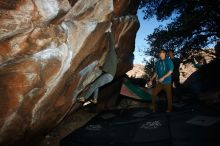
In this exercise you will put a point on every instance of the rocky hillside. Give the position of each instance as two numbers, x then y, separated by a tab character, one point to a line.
137	71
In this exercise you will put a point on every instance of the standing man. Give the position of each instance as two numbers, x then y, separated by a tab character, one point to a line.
176	72
163	70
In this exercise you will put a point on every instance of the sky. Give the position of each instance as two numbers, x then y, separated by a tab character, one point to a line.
146	27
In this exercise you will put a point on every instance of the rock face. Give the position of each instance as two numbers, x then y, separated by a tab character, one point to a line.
54	51
192	63
203	80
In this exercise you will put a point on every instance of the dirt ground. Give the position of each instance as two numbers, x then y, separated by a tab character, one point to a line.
70	123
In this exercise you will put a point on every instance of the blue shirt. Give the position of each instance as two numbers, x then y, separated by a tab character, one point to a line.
162	67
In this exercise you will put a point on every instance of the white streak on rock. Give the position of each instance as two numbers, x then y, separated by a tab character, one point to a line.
64	54
48	9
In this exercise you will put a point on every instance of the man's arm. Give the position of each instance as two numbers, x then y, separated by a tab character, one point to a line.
165	76
151	80
171	67
154	76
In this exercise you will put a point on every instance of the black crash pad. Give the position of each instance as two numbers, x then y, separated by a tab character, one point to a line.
186	127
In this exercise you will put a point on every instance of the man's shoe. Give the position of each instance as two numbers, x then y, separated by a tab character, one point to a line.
153	108
81	99
168	111
94	100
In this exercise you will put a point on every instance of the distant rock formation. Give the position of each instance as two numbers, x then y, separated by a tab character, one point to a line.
54	51
137	71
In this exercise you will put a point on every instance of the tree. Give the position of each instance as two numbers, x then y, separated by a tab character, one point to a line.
196	24
149	68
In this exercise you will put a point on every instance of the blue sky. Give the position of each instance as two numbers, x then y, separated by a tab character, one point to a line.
146	28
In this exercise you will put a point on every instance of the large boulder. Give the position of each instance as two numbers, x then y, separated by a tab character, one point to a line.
205	82
51	52
194	61
202	79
